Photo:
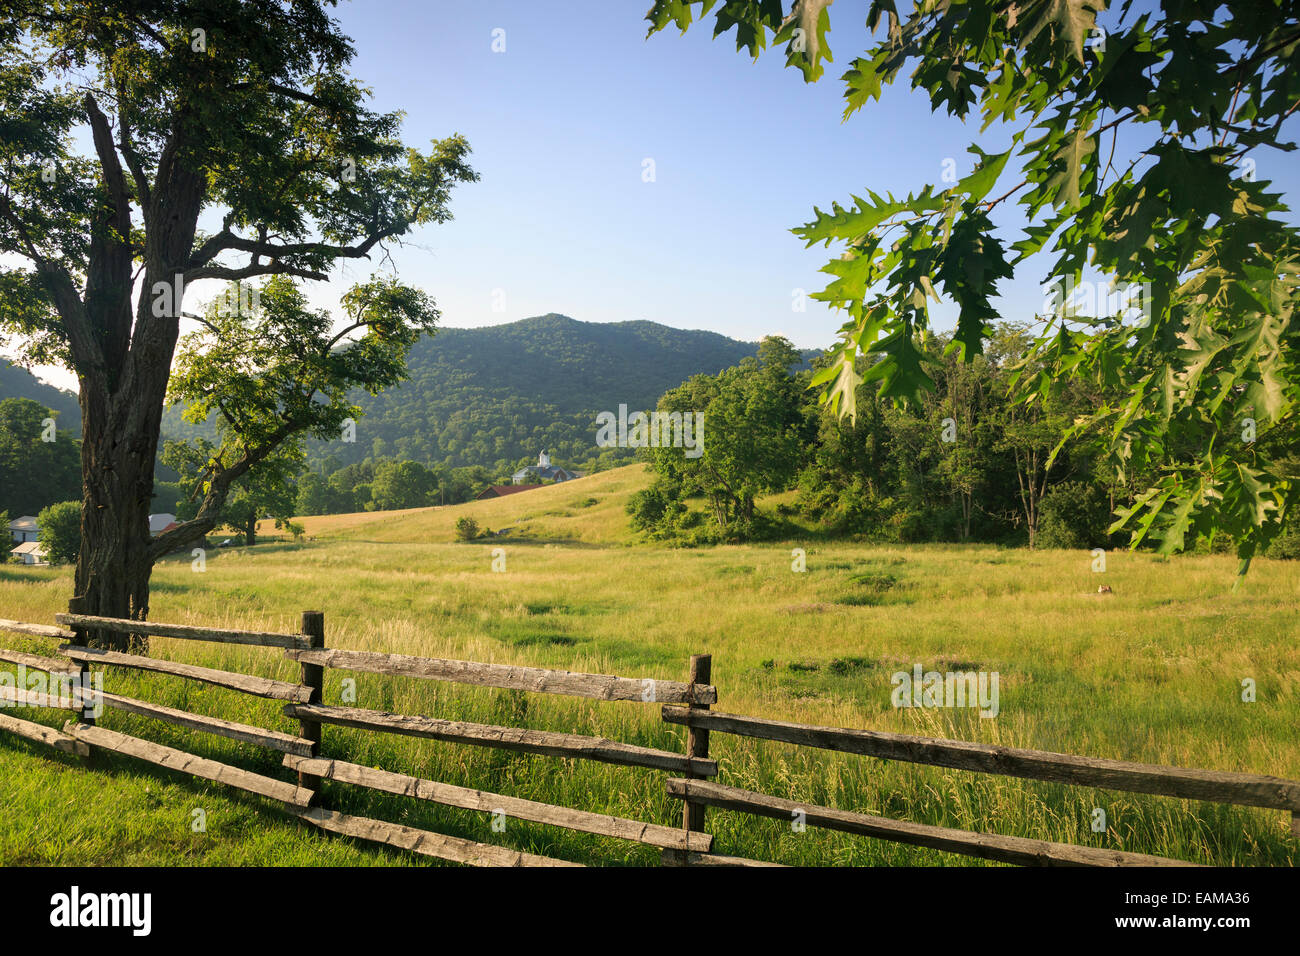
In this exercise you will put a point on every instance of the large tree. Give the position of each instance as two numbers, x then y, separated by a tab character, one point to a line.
240	115
1137	136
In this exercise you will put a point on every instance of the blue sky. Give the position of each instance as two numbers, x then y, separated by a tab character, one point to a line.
561	124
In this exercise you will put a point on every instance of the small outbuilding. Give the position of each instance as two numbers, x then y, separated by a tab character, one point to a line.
31	552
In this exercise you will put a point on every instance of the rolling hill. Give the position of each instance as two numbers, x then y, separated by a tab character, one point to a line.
494	396
17	382
586	511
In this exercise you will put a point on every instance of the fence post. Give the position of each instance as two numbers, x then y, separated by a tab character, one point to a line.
313	676
77	605
697	740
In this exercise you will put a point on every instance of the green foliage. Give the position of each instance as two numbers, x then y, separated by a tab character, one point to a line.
384	484
34	472
122	128
467	528
403	484
753	437
60	531
1193	92
266	490
1074	515
964	463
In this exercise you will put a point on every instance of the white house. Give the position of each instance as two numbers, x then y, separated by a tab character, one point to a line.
23	529
31	552
543	471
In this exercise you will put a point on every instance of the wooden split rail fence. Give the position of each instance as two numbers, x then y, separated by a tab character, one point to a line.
686	704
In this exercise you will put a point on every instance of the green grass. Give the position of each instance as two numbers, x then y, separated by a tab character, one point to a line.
1149	673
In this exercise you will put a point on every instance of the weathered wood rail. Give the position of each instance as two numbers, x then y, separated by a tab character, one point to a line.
304	704
1214	786
548	743
182	631
687	704
1245	789
509	677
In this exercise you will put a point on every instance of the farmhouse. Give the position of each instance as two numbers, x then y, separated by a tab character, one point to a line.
31	553
500	491
543	471
23	529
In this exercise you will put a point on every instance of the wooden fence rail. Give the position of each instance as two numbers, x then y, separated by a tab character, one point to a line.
1245	789
1209	785
514	807
510	677
186	632
989	846
521	740
245	683
306	706
685	704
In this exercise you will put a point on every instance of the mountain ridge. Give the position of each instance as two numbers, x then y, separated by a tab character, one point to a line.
498	394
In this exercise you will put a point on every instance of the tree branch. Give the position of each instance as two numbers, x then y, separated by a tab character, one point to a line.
209	514
86	351
251	271
227	240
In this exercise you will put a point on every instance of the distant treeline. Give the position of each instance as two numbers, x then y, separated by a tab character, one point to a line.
967	464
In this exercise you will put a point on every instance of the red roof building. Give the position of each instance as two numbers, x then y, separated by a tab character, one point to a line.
500	491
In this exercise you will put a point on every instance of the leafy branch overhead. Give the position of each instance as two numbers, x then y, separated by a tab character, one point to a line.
1135	141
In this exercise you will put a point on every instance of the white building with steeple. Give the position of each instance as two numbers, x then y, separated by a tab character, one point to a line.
543	471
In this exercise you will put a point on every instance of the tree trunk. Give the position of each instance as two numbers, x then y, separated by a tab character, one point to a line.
250	530
114	564
121	398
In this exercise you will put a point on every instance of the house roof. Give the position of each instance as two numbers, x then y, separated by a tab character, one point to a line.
30	547
25	523
161	522
498	491
550	471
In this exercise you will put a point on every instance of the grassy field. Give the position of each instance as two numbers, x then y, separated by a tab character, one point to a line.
1151	672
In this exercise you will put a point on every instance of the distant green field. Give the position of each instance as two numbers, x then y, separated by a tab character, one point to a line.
1151	672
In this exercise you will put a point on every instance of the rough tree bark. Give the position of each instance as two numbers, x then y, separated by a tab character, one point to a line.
123	383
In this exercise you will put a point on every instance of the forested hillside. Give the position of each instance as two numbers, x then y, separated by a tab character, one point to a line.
495	396
16	382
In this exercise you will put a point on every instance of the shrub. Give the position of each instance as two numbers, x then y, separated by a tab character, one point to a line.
1074	514
649	507
60	531
1287	545
466	529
